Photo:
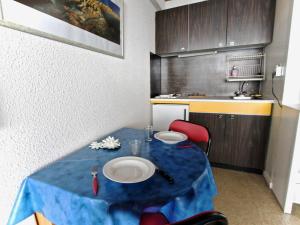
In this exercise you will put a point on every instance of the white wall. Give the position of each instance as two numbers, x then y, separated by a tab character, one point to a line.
283	50
276	53
293	190
291	94
282	149
55	98
159	4
176	3
162	4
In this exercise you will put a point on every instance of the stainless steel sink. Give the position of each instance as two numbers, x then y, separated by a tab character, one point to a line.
242	97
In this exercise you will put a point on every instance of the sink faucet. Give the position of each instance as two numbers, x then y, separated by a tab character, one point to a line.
241	90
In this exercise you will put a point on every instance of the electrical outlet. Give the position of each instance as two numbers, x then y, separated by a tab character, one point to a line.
279	71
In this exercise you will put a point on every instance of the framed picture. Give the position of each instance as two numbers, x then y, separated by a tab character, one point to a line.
96	25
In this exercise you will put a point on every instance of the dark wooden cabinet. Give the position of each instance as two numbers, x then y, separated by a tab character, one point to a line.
250	22
172	30
155	75
215	24
251	139
216	125
207	25
238	141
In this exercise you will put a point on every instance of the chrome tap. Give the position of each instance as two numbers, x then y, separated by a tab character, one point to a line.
241	90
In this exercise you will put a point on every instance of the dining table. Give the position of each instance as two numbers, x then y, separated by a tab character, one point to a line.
62	191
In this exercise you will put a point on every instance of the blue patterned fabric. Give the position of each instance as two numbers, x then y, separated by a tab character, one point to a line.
62	191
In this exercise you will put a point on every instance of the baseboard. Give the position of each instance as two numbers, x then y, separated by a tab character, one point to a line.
238	168
297	194
268	179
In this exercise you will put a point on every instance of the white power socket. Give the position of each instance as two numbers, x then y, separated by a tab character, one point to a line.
279	71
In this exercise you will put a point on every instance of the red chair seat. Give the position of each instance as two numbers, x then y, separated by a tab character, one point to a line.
153	219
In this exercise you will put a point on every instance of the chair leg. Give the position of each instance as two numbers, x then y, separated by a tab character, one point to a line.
208	147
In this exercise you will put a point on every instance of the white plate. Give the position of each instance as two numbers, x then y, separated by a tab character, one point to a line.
128	169
170	137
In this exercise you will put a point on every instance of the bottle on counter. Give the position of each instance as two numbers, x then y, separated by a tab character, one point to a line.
234	71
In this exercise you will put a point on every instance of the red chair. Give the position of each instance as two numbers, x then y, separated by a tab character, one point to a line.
205	218
195	132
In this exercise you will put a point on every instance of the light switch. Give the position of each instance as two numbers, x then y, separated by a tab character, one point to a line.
279	71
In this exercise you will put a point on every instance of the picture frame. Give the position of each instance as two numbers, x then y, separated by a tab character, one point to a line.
96	25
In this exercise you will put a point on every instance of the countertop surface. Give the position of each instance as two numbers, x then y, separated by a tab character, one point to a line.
212	99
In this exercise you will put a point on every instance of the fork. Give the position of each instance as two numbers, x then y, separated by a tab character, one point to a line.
95	183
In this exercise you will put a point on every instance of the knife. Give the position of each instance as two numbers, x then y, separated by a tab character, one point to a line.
165	175
95	184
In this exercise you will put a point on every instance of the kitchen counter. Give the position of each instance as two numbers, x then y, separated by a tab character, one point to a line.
209	99
222	105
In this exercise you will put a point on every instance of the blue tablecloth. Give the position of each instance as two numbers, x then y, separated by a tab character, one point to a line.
62	191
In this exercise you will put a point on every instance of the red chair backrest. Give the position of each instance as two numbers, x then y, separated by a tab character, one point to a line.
205	218
195	132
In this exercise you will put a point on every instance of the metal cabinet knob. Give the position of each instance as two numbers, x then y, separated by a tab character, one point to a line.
232	117
182	49
220	116
231	43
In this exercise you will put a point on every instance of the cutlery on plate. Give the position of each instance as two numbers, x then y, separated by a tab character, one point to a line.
95	183
165	175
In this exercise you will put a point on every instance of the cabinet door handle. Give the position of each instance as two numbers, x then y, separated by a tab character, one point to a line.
220	116
182	49
232	117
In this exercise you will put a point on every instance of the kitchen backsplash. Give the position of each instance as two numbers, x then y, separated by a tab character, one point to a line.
202	74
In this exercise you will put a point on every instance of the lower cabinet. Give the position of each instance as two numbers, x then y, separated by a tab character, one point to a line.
238	141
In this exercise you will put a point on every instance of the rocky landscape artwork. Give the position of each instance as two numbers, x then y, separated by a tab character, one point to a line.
100	17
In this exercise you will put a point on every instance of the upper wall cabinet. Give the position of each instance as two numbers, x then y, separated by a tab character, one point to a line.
250	22
207	25
172	30
214	24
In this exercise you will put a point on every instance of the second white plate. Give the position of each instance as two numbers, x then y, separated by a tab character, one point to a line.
128	169
170	137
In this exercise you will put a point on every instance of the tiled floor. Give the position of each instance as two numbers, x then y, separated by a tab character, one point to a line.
245	200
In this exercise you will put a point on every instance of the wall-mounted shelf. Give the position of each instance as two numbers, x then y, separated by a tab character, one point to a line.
249	68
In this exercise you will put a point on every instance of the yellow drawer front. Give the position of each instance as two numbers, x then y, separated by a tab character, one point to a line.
241	108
